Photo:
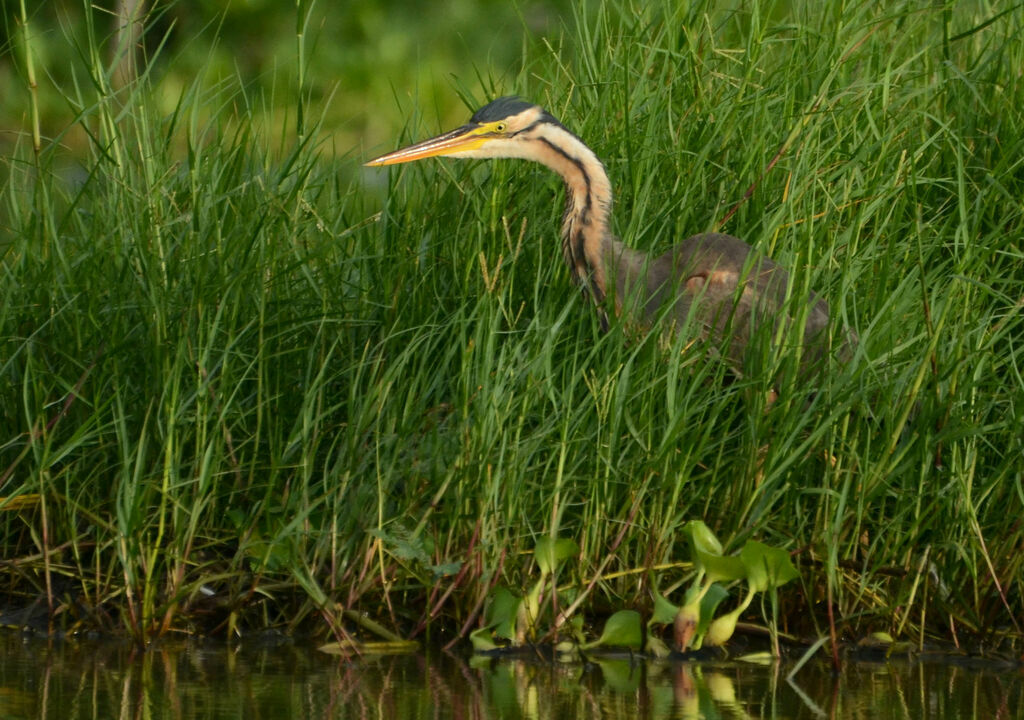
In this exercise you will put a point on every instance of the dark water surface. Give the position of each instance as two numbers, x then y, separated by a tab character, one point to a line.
71	680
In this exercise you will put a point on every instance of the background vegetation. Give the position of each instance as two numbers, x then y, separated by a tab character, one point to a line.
246	383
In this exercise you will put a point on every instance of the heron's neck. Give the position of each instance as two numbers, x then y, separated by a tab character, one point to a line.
586	240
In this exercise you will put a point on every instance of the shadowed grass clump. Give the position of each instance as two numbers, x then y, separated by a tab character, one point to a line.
240	391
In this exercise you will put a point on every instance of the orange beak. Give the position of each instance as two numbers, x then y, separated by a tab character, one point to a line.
467	137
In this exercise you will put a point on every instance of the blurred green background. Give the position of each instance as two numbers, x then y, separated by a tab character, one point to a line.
369	62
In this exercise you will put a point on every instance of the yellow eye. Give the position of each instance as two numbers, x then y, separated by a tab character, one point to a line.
500	127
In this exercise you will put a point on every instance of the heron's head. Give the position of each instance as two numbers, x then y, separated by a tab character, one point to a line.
505	128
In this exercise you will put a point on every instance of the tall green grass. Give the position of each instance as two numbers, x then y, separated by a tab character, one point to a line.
246	384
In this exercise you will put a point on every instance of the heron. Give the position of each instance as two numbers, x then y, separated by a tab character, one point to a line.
711	281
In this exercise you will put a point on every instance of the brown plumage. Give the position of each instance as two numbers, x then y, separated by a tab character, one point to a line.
711	281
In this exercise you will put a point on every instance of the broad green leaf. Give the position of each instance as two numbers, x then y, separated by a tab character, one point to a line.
767	567
706	552
550	552
709	604
722	568
622	629
501	613
701	538
664	611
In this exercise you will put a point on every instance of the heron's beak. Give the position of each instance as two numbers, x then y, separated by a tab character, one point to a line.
467	137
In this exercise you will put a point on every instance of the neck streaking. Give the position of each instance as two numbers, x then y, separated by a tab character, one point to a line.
586	241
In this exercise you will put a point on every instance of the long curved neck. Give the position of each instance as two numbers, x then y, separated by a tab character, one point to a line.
588	202
589	248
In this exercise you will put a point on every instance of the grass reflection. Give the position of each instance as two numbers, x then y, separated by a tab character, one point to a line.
187	681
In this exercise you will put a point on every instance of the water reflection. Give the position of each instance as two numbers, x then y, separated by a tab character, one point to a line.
76	680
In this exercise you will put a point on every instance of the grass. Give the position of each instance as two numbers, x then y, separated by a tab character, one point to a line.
248	385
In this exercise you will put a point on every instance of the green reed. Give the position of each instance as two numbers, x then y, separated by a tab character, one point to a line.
247	384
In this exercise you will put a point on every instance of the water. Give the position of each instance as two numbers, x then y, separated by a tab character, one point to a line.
75	680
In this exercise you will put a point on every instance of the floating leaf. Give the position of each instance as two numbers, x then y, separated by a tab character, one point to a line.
622	629
767	567
350	647
758	658
550	552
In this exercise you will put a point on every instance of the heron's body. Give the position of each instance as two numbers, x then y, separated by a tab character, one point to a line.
696	284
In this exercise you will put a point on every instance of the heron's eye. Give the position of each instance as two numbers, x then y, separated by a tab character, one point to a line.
500	127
